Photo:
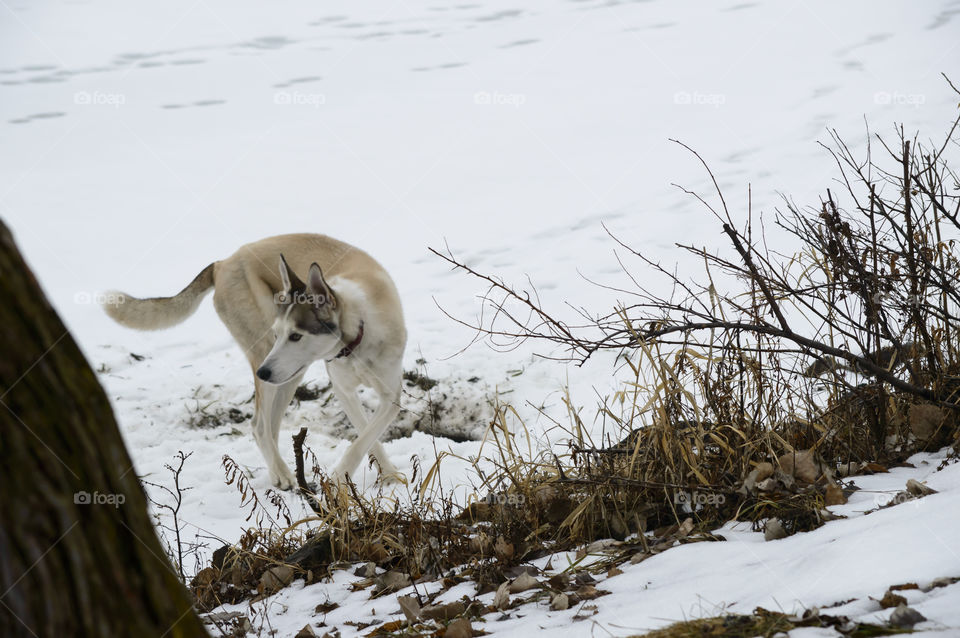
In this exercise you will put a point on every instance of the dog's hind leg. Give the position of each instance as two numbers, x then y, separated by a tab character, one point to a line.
355	413
368	435
271	402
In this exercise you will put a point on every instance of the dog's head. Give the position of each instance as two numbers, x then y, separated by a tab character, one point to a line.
307	327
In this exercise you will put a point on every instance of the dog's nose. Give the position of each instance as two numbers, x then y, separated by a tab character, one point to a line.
264	373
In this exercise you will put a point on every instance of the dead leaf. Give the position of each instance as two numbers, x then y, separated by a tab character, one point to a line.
275	579
926	419
385	629
587	592
204	577
501	600
904	586
523	582
503	549
891	599
306	632
639	557
559	581
391	581
410	607
764	470
367	570
917	488
559	602
834	496
584	578
443	612
802	465
481	544
873	468
459	628
943	581
774	530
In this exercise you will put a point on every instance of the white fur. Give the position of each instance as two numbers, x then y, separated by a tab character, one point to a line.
245	298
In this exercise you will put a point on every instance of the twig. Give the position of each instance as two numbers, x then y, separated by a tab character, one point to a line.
308	493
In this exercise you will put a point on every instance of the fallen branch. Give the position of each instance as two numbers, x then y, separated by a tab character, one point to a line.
305	489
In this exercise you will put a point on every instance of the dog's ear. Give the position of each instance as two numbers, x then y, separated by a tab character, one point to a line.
289	278
318	286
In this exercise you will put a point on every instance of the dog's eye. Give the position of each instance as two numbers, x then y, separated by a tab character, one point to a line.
295	336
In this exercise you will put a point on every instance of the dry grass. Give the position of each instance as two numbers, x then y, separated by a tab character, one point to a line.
709	410
679	429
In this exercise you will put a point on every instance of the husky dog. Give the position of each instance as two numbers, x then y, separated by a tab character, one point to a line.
347	313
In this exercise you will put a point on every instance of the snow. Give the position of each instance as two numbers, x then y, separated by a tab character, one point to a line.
854	558
143	141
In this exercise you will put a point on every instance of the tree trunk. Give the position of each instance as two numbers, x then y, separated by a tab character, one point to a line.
79	555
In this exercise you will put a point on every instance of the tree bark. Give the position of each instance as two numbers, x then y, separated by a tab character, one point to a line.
79	555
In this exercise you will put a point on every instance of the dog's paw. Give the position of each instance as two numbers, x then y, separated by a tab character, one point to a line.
284	484
283	479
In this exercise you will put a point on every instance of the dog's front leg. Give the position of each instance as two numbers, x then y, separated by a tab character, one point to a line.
271	402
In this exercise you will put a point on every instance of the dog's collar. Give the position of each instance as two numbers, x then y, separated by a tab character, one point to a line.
350	347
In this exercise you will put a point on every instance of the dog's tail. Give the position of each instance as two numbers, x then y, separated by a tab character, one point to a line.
157	313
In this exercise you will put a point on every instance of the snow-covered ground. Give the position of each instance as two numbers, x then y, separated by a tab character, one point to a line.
844	568
140	142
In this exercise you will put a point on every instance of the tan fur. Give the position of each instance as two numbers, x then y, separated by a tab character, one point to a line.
159	312
246	285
